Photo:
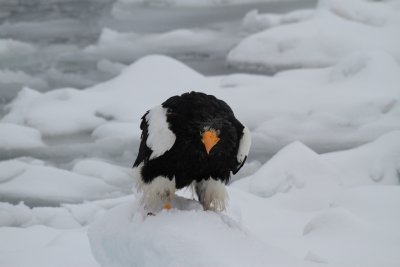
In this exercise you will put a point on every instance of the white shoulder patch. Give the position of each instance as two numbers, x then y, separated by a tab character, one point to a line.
160	138
244	145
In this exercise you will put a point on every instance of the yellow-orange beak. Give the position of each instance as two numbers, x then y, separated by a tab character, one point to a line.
210	139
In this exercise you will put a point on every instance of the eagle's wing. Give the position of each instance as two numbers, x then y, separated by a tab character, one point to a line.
244	148
157	137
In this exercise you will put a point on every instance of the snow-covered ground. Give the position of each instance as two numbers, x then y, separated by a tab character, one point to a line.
321	185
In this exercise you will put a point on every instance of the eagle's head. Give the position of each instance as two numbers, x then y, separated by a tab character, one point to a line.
217	136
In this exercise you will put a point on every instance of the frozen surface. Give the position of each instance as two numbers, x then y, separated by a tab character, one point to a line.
45	246
138	239
43	185
320	186
126	47
352	108
336	30
15	137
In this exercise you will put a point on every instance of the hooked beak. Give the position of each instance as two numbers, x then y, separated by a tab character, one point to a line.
209	139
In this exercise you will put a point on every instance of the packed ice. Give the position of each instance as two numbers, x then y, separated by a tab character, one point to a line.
320	186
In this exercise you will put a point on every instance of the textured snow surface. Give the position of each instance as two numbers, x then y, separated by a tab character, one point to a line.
320	186
184	238
335	30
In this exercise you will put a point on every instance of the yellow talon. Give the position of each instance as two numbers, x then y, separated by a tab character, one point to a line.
167	206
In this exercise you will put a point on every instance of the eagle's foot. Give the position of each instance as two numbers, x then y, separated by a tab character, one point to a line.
167	206
158	194
212	194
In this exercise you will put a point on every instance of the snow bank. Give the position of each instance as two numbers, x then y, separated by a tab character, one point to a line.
127	47
127	237
254	231
326	105
294	167
376	162
67	216
41	185
45	246
109	173
337	29
367	244
19	137
122	130
255	22
297	170
372	203
113	68
124	98
51	112
343	106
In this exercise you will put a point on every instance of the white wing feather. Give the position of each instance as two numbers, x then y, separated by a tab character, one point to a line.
244	146
161	138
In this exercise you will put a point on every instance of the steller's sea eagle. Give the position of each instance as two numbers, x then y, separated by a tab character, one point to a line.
191	139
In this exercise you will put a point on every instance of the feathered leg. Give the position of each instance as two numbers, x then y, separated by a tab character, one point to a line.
212	194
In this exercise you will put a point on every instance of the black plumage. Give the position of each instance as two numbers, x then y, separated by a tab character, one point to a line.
188	117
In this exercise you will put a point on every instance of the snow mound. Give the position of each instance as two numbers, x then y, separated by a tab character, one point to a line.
44	246
295	166
109	67
19	137
319	124
121	130
51	112
339	228
337	29
41	185
144	84
67	216
109	173
126	237
372	163
374	204
255	22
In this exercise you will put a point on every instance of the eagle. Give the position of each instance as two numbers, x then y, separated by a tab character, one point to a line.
193	139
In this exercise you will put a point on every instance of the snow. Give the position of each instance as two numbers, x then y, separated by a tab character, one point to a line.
109	173
336	30
181	237
125	47
320	186
255	22
45	246
340	227
376	162
96	105
15	137
297	167
43	185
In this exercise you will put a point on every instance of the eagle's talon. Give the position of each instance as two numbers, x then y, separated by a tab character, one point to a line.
167	206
